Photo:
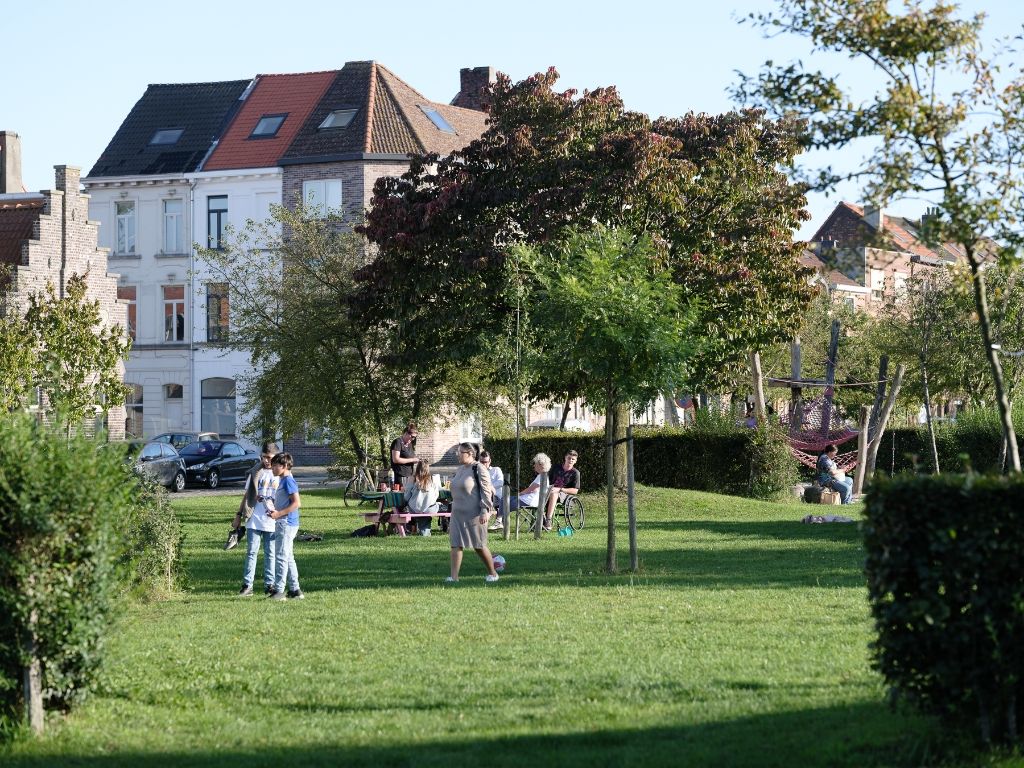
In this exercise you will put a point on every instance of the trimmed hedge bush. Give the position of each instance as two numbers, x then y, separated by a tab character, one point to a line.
946	585
737	462
76	529
979	436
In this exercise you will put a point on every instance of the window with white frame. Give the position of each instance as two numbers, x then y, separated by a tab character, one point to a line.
133	411
217	219
471	429
174	225
877	284
218	406
124	211
174	312
321	197
128	294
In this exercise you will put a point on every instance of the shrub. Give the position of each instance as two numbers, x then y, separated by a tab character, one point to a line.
720	458
946	586
63	504
154	538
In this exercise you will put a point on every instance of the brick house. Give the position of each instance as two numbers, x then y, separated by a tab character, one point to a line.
868	255
46	237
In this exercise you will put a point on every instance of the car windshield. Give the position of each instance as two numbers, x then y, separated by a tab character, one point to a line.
205	448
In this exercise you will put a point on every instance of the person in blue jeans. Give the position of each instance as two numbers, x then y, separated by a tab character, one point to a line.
259	530
285	513
831	476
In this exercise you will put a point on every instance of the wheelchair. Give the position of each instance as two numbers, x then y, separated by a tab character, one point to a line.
571	510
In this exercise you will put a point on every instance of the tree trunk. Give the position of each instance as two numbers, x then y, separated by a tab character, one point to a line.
928	415
622	418
883	372
609	439
360	453
565	412
634	559
981	305
761	412
671	417
883	419
862	450
32	681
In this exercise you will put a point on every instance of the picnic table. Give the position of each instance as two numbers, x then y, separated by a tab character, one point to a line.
395	501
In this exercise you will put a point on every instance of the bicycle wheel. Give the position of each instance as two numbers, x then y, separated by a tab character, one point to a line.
573	511
356	487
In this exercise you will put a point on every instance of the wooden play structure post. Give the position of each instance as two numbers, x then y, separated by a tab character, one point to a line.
830	377
862	450
883	419
796	410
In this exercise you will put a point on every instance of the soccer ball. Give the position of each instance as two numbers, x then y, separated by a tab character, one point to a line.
499	563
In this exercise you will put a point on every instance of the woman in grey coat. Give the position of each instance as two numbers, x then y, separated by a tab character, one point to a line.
471	507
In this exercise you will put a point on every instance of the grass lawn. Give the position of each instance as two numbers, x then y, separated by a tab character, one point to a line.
742	641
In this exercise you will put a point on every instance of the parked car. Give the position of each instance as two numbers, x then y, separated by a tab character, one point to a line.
160	462
213	462
180	439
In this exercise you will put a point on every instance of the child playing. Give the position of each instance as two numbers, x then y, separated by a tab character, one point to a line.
285	512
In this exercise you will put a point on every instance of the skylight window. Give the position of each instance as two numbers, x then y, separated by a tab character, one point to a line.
437	119
268	126
167	136
339	118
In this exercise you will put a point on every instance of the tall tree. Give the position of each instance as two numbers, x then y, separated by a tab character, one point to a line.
313	364
944	123
709	187
618	318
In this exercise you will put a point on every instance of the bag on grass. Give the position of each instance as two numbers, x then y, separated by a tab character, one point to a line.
366	530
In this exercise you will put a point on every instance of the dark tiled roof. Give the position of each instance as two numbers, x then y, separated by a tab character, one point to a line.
17	219
294	95
201	109
389	119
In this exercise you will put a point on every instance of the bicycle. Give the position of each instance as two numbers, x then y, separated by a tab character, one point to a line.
361	482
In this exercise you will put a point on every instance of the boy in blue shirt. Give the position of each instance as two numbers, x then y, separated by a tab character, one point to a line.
285	513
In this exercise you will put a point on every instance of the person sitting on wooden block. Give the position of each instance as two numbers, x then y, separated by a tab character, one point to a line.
831	476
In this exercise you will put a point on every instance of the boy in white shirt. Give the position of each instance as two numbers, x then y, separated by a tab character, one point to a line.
260	529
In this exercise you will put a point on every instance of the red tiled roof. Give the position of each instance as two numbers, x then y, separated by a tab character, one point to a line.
295	95
17	220
897	228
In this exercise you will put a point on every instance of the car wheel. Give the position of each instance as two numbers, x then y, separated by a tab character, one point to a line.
178	484
213	479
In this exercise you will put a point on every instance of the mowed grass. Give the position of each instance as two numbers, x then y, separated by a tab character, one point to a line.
742	641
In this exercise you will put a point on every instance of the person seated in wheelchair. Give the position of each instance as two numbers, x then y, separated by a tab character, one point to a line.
565	479
530	495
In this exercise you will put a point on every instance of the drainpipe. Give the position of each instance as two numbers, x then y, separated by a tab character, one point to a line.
191	306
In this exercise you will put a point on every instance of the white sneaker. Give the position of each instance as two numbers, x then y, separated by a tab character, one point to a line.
491	578
450	580
495	526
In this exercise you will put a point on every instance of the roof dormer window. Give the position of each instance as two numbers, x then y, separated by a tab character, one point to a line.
167	136
268	126
339	118
437	119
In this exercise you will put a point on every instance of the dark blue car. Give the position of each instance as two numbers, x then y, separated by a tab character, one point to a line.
212	462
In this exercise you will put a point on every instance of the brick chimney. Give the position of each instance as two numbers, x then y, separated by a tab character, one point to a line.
67	178
10	163
475	83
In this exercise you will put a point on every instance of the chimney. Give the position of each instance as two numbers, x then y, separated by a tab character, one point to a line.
67	178
10	163
875	216
474	92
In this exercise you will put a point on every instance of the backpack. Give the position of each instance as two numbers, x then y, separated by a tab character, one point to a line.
366	530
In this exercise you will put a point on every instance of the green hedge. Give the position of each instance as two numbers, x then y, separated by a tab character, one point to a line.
738	462
980	438
77	530
946	586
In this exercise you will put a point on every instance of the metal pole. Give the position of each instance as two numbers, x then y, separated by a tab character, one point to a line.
542	505
634	562
505	509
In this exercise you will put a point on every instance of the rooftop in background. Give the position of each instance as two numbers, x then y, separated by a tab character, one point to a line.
390	118
143	144
286	100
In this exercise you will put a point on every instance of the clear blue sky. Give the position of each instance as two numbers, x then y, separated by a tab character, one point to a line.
74	69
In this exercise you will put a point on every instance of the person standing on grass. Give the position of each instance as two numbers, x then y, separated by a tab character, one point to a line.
285	514
248	503
403	455
565	479
259	529
471	507
421	497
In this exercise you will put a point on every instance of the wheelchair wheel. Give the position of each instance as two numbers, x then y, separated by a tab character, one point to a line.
573	511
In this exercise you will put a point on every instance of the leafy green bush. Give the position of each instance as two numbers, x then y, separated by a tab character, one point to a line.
976	434
154	538
718	457
64	504
946	585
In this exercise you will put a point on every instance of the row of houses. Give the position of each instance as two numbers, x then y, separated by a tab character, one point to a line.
190	160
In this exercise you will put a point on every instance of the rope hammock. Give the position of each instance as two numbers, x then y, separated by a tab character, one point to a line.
809	436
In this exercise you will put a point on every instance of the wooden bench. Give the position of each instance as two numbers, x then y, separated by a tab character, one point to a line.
395	501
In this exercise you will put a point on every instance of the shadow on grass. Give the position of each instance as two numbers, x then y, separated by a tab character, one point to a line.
373	565
778	530
857	735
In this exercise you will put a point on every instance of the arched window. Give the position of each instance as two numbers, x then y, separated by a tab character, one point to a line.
133	411
218	406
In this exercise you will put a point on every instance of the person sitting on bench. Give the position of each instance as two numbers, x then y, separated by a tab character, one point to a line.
421	497
831	476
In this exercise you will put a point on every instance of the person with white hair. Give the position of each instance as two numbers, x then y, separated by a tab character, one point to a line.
530	495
